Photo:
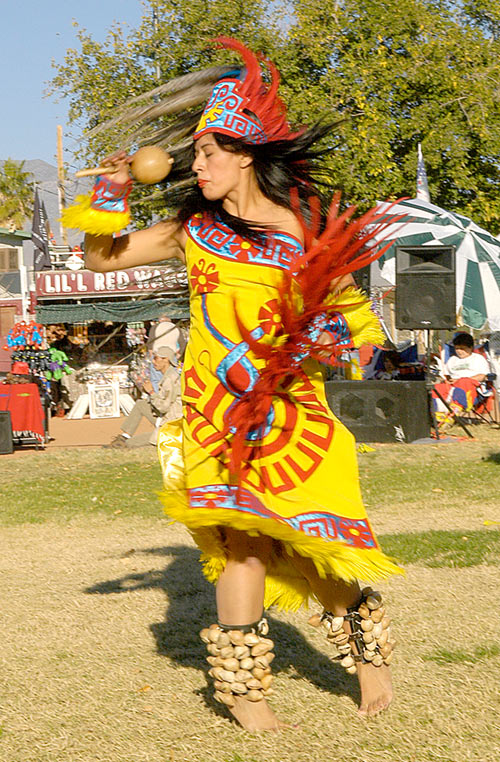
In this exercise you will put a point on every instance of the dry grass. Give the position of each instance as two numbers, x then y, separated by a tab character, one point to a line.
100	660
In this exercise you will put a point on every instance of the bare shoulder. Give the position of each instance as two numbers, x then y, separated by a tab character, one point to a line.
291	225
285	221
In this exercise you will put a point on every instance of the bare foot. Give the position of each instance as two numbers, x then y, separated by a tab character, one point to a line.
256	715
376	689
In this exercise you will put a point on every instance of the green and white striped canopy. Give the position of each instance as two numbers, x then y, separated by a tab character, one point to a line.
477	255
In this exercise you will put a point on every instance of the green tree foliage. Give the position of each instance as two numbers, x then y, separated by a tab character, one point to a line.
16	194
485	14
420	71
412	71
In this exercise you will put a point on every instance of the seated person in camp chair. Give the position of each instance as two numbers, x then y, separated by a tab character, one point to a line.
464	372
157	407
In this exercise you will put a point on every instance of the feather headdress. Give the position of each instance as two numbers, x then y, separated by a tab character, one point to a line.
242	105
236	103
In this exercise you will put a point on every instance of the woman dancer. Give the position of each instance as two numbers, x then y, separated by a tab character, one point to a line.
271	490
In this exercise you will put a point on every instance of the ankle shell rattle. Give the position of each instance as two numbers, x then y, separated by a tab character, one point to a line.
240	661
369	638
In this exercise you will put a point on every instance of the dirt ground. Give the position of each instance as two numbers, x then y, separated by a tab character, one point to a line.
100	659
83	432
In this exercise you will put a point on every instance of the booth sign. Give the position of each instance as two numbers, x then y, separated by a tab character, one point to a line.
61	284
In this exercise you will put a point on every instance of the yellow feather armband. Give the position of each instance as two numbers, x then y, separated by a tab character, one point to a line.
363	323
103	212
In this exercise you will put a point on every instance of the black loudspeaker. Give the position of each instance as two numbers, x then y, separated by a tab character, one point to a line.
6	445
381	411
362	278
425	287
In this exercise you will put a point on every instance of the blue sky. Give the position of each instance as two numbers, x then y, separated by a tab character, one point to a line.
33	32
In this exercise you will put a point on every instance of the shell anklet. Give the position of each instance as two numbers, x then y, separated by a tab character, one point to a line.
369	639
240	658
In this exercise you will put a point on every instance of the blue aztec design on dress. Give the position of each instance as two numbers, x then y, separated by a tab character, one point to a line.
214	236
237	356
327	526
236	353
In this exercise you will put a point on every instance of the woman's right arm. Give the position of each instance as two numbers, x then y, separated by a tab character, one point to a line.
161	241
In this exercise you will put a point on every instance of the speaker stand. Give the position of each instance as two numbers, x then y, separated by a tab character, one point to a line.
430	389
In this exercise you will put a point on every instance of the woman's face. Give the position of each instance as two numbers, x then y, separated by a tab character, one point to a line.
218	171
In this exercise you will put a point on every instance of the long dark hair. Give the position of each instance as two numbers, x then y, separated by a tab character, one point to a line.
281	167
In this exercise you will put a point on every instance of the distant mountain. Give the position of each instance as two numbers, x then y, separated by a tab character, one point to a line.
45	175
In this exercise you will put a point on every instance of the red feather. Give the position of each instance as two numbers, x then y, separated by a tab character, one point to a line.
263	99
344	246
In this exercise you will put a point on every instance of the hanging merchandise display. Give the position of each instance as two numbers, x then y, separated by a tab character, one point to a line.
135	334
23	335
79	335
55	332
31	355
47	363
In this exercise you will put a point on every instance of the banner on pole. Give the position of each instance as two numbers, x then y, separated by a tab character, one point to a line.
40	236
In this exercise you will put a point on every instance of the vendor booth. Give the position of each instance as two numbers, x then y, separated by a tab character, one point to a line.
102	321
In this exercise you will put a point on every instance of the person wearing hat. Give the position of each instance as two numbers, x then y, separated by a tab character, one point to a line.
157	407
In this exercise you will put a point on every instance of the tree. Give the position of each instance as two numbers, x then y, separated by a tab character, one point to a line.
485	14
16	194
411	70
419	71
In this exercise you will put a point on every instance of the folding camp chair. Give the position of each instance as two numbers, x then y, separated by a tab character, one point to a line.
486	403
483	404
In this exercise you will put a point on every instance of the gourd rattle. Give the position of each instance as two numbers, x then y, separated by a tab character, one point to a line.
150	165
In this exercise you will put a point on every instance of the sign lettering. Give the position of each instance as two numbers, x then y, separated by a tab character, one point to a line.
66	284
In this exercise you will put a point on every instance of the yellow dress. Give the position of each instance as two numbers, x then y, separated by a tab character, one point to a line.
301	487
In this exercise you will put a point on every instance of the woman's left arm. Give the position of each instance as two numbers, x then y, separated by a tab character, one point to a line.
325	338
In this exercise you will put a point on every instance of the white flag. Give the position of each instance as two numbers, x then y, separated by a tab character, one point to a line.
422	187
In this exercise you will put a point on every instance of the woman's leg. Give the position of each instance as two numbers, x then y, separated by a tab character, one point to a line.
240	601
240	588
337	596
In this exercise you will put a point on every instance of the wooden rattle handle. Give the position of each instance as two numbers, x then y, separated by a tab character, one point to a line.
94	171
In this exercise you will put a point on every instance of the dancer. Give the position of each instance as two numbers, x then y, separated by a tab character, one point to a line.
259	469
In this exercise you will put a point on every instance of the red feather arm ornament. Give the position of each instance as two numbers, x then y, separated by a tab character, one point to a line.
344	246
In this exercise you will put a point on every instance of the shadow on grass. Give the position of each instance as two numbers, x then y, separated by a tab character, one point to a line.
493	457
191	606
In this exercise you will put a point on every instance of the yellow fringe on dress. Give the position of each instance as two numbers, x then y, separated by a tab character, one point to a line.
285	587
82	217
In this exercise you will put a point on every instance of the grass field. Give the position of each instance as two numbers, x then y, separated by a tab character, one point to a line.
102	600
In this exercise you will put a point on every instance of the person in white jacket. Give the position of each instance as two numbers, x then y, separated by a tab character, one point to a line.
464	372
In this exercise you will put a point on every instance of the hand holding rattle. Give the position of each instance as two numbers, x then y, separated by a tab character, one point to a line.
149	165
